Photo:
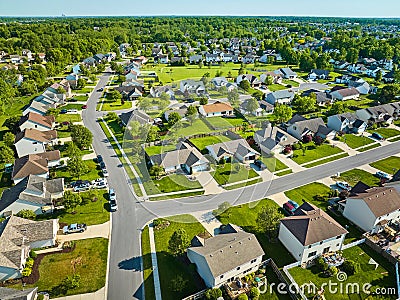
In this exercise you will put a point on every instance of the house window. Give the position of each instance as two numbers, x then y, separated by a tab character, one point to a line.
253	261
222	276
309	246
321	242
326	250
311	254
238	268
338	237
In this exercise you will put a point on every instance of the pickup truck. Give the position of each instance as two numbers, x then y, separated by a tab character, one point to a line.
73	228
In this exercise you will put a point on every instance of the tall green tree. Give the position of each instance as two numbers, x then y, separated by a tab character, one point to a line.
179	242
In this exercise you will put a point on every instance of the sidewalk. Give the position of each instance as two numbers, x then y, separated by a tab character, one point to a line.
209	222
156	277
290	163
209	184
345	148
279	198
98	295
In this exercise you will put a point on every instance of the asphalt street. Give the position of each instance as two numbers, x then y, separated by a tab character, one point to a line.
125	280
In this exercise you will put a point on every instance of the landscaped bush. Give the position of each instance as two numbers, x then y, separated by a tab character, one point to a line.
242	297
307	138
333	270
32	254
350	267
321	265
296	146
287	149
213	294
26	214
254	293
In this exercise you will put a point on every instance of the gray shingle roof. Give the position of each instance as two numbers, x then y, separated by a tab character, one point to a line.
234	147
13	294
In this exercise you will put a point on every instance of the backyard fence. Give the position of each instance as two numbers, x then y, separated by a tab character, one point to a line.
355	243
291	279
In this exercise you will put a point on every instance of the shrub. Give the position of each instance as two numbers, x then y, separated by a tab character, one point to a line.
296	146
29	263
243	296
351	267
213	294
157	222
254	293
321	264
333	270
26	272
287	149
26	214
320	197
40	297
32	254
307	138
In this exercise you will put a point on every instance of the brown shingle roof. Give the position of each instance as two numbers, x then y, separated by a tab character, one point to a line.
312	225
217	107
29	165
39	119
36	135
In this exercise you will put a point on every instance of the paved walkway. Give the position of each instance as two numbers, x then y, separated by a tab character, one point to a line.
98	295
156	277
209	222
94	231
343	146
208	183
289	162
279	198
369	169
328	181
89	156
64	140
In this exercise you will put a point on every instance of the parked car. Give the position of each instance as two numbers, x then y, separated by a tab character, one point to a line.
80	182
73	111
65	123
105	172
99	183
113	205
112	195
260	164
382	175
377	136
81	187
288	209
294	204
84	106
100	89
343	185
74	228
102	165
99	158
63	111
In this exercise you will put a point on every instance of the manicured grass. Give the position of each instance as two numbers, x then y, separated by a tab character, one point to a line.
388	165
355	141
198	127
170	183
223	123
369	147
229	174
276	87
283	173
314	152
68	118
89	212
273	164
81	98
94	172
202	142
383	276
63	131
291	82
184	195
110	105
245	216
307	193
243	184
72	106
153	150
356	175
170	266
147	266
326	160
386	132
91	258
85	90
14	108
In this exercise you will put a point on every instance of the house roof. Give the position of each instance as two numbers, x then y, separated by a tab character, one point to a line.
311	225
380	200
13	294
282	94
239	146
312	125
360	187
270	136
348	92
17	233
135	115
347	116
34	164
288	71
320	72
46	121
225	252
36	135
217	107
39	106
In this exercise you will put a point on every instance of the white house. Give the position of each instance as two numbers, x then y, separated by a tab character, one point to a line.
310	232
373	209
36	121
346	94
288	73
281	97
192	87
216	109
17	237
157	91
346	122
384	113
38	106
316	74
238	149
231	254
276	77
33	193
33	141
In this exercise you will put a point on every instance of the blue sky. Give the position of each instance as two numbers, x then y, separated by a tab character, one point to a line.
344	8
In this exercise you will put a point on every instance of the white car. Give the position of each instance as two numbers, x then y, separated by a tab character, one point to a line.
343	185
105	172
100	183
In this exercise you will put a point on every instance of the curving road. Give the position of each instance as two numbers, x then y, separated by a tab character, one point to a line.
125	280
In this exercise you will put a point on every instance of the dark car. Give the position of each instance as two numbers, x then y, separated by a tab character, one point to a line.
260	164
63	111
288	209
84	106
65	123
377	136
99	158
102	165
100	89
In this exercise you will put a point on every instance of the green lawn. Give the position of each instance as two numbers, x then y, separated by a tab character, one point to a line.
94	172
326	160
243	184
184	195
283	173
355	141
72	106
14	108
273	164
383	276
307	193
91	264
369	147
81	98
89	212
291	82
356	175
110	105
229	174
198	127
386	132
153	150
314	152
170	183
63	131
245	216
388	165
169	266
276	87
202	142
85	90
223	123
68	118
147	266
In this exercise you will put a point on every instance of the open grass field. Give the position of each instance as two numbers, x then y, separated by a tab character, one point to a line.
92	257
72	118
198	127
202	142
356	175
230	173
170	266
224	123
388	165
355	141
314	152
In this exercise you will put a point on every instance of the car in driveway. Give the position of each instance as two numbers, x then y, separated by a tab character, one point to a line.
100	183
81	187
74	228
382	175
100	89
377	136
84	106
260	164
288	209
343	185
294	204
63	111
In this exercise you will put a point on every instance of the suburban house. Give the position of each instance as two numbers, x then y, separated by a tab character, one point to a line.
219	82
32	141
129	92
346	94
384	113
192	87
36	121
195	59
231	254
244	109
216	109
72	80
186	158
248	59
316	74
35	164
14	294
62	87
238	149
34	193
281	97
252	79
300	127
17	237
276	78
38	106
268	107
135	115
157	91
179	108
346	122
273	139
310	232
373	209
287	73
